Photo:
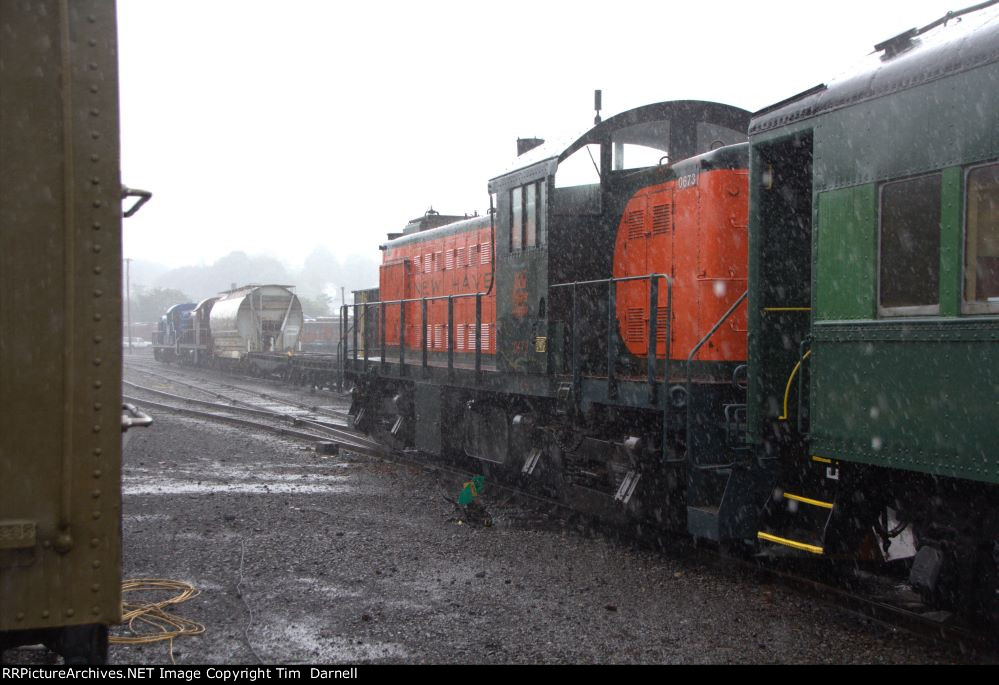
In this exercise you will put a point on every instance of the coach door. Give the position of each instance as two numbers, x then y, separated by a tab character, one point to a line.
781	278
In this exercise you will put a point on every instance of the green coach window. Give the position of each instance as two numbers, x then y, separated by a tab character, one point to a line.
981	241
909	260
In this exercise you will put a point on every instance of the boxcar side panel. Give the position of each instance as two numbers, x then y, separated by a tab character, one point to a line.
60	316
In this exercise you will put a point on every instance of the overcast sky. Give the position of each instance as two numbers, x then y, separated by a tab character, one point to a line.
275	128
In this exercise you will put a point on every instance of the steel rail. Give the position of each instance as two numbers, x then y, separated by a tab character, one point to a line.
352	443
313	408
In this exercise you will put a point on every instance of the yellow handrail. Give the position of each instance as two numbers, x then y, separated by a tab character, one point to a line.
790	379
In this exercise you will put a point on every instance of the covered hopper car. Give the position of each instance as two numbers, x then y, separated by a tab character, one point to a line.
252	325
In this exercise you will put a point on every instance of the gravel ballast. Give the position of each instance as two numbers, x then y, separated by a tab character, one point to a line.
308	558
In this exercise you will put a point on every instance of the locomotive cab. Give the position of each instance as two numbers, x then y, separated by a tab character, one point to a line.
603	208
607	265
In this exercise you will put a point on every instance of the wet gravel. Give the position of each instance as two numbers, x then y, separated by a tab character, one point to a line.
308	558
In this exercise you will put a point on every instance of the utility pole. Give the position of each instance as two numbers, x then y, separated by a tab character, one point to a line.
128	300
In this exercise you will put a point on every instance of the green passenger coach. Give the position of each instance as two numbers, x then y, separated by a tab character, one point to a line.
874	303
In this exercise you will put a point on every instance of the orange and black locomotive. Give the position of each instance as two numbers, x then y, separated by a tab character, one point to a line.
588	331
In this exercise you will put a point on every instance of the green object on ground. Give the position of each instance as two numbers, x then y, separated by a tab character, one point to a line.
471	490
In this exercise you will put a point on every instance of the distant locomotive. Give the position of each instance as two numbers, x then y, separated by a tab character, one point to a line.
174	326
789	344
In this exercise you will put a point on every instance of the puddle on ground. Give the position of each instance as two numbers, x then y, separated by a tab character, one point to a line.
326	589
235	476
302	641
145	517
180	487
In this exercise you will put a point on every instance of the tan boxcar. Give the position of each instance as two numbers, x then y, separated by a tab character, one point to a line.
60	326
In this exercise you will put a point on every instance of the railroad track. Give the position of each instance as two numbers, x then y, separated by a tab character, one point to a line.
142	361
247	407
284	417
231	393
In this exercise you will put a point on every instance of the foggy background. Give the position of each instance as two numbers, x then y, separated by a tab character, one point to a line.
282	141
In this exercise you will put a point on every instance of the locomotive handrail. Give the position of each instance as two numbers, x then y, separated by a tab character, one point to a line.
806	342
346	325
382	326
416	299
690	359
790	381
577	376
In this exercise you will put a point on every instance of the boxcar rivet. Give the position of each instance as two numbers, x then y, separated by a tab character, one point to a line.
95	610
94	542
93	88
97	428
91	18
98	270
69	612
96	225
97	317
97	204
98	406
92	66
97	247
96	494
97	473
45	614
96	587
95	158
98	292
92	43
63	542
20	616
95	135
97	361
96	563
98	339
94	112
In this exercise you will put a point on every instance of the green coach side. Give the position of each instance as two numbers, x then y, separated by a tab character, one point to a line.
875	260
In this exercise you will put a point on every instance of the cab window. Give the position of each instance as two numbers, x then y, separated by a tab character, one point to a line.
516	219
527	215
